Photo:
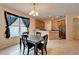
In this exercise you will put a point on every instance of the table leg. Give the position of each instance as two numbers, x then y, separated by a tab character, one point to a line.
20	44
36	50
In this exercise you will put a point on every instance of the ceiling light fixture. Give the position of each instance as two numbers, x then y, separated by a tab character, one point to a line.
33	12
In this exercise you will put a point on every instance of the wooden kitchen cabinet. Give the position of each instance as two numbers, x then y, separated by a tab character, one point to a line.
39	24
54	25
53	35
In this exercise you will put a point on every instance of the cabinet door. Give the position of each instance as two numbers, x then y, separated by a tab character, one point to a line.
54	35
54	25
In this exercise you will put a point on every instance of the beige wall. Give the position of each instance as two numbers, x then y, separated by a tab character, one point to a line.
11	41
48	24
76	28
69	27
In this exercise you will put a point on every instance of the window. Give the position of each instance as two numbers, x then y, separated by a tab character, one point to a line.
15	25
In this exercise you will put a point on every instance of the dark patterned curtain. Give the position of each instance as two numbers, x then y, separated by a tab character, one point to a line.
10	19
26	22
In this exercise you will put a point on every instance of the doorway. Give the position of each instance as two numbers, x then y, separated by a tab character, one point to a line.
62	29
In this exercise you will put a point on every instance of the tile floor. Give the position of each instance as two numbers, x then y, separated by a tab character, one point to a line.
54	47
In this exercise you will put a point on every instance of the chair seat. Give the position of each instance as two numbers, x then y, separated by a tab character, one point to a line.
30	45
40	46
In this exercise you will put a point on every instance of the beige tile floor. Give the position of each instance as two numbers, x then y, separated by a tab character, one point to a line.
54	47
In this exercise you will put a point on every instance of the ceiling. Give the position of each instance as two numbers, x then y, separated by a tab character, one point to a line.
47	10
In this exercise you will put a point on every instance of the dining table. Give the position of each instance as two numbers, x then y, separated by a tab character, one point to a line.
33	39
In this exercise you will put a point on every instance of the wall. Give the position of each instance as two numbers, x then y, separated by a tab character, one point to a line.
54	25
69	28
76	28
13	40
48	24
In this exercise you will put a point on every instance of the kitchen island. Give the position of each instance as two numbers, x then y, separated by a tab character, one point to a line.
52	35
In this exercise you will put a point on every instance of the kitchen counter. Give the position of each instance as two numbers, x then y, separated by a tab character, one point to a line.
54	34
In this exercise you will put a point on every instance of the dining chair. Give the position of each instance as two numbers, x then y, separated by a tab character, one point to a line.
26	44
43	45
24	33
38	34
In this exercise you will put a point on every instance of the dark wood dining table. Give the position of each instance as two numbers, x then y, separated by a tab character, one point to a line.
33	39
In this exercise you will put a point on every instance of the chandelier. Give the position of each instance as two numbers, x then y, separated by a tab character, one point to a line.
33	12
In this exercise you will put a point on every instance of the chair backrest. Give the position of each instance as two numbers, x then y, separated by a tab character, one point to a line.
38	34
45	37
24	38
25	33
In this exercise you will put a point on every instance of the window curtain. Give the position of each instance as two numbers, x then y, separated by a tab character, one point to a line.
10	19
26	23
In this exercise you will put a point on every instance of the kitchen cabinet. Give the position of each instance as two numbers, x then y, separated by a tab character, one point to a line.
53	35
39	24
